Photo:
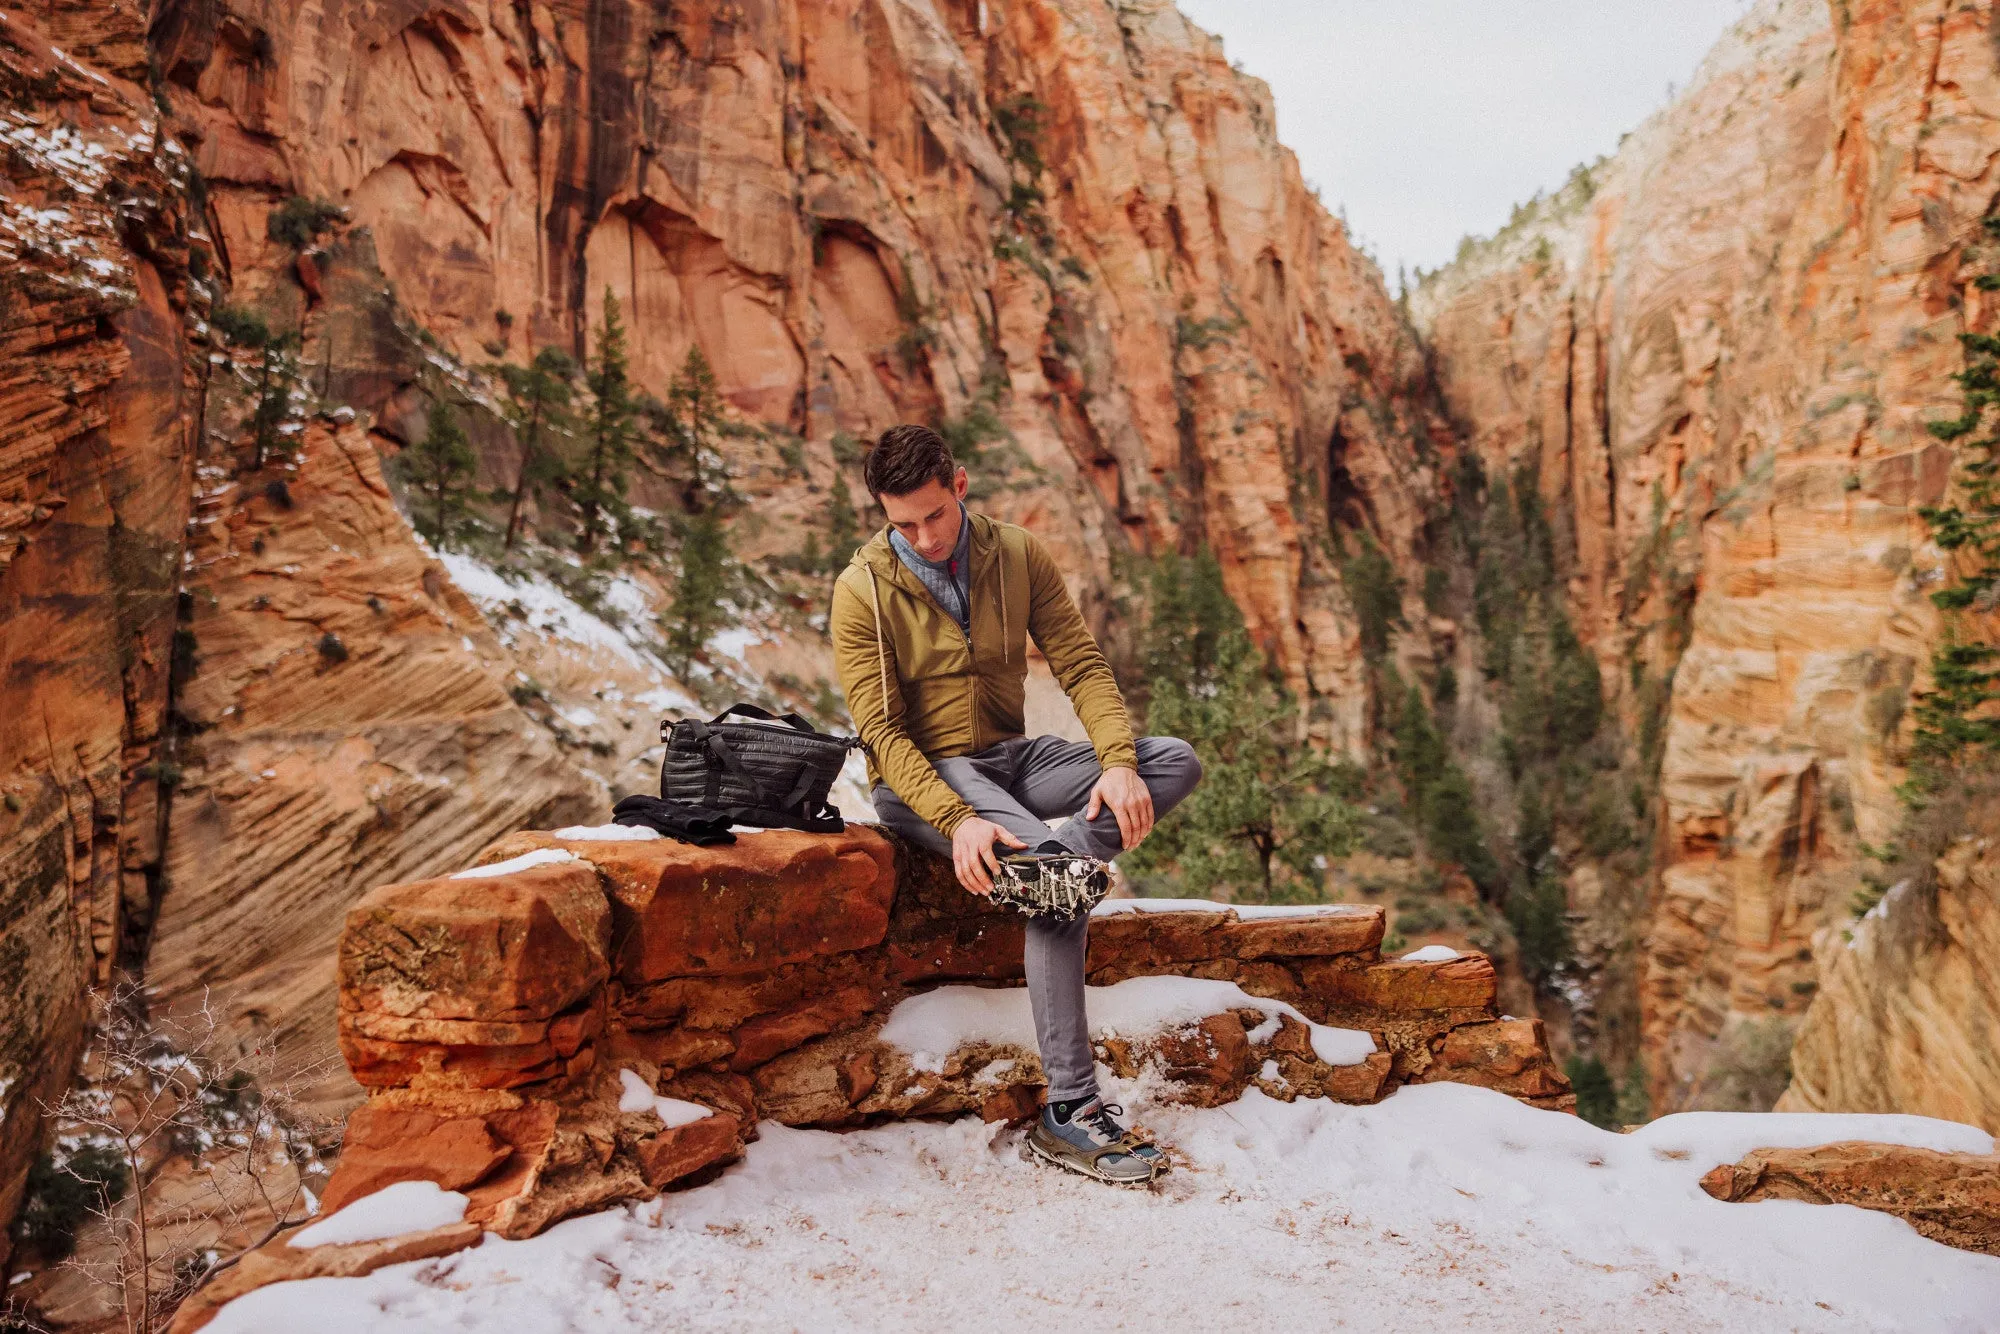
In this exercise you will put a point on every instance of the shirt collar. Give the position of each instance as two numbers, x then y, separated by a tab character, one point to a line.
961	553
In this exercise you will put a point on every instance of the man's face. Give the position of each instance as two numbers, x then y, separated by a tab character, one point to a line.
928	517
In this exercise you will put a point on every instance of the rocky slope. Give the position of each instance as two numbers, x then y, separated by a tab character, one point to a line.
1909	1000
344	725
1720	348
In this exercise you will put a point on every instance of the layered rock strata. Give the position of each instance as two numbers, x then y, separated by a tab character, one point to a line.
1720	349
344	727
99	387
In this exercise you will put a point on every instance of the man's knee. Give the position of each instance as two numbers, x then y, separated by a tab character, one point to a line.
899	818
1170	767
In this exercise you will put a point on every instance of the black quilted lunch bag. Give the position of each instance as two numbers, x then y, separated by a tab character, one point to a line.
754	772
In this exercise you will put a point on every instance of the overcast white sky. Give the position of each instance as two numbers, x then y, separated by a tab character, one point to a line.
1429	119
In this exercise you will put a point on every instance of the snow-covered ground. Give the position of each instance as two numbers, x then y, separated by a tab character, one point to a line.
1443	1207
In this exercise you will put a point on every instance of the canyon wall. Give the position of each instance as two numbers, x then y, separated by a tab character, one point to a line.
1074	219
1719	349
1910	998
240	693
99	399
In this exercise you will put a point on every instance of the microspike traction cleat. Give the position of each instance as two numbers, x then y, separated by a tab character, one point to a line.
1059	885
1092	1144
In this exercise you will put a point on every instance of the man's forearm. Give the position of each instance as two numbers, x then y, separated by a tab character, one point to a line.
914	778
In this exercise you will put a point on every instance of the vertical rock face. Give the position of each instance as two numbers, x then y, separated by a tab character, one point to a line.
96	412
1720	349
1070	224
1907	1008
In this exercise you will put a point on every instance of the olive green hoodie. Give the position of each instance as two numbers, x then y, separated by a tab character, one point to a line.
919	691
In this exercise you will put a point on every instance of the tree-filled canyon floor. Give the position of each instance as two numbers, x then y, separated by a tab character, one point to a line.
1444	1206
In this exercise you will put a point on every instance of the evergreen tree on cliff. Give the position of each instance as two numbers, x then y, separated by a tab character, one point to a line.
598	484
1955	723
1266	816
440	469
706	566
539	398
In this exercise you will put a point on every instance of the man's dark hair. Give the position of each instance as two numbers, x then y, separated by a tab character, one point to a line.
905	458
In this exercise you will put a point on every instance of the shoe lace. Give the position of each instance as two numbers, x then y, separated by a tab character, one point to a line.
1100	1124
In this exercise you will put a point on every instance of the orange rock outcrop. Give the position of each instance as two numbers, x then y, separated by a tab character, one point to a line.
1949	1197
515	1025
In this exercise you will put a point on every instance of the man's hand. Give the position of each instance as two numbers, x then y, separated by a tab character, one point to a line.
972	854
1129	799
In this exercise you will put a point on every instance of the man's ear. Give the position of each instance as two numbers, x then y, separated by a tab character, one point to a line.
959	483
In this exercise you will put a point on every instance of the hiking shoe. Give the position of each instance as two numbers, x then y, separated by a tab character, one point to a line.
1093	1144
1061	885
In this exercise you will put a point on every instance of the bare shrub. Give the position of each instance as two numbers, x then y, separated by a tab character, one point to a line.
174	1155
1750	1068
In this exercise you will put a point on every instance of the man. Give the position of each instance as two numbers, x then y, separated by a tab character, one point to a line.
930	625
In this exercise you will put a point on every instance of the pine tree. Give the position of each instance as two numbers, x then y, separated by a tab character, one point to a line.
1266	816
843	525
1436	790
1596	1096
706	566
695	407
598	484
247	329
704	582
1539	914
1955	722
539	396
439	468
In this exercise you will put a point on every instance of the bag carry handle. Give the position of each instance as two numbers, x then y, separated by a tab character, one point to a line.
765	715
797	722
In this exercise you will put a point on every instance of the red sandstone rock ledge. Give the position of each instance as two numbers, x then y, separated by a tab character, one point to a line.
506	1026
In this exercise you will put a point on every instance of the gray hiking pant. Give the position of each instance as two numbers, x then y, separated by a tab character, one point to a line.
1018	785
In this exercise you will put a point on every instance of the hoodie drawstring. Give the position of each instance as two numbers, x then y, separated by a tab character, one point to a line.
881	653
1006	644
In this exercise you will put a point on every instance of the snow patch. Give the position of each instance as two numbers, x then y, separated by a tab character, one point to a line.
607	833
526	861
1432	954
549	610
1442	1207
1247	911
406	1206
931	1026
638	1096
